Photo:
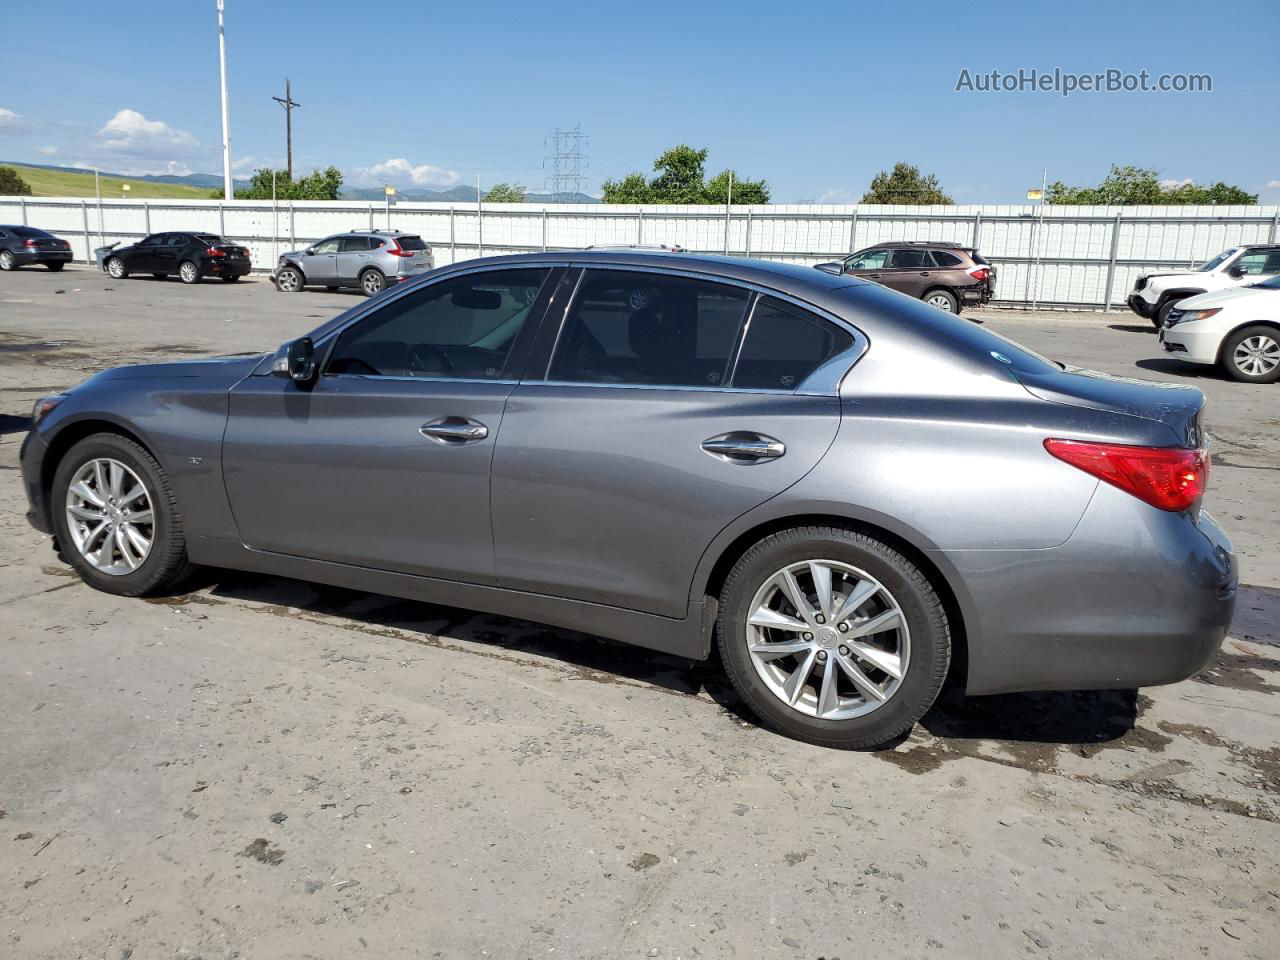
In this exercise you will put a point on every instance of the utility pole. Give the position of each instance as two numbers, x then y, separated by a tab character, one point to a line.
288	103
227	189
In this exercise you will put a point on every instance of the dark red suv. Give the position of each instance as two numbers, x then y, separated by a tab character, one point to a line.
946	275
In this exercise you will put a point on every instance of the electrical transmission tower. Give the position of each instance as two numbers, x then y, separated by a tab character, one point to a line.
564	163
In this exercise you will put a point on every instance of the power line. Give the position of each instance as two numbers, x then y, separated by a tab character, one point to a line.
288	103
565	162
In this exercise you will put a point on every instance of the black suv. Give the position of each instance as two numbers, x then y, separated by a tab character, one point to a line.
946	275
22	245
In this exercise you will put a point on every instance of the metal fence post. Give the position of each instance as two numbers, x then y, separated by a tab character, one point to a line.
146	215
853	232
23	201
1111	266
747	251
293	240
453	250
544	229
977	229
640	225
479	228
88	246
1275	228
222	220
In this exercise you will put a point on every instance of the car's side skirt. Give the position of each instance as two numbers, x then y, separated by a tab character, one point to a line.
689	637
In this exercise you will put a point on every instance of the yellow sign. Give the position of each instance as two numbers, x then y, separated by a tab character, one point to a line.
391	191
1034	194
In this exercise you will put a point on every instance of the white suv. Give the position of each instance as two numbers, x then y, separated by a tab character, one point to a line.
1155	294
1238	329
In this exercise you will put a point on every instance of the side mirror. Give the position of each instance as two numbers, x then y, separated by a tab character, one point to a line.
296	360
1236	271
837	267
310	251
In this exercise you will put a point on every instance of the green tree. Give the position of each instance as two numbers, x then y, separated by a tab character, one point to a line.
1132	186
681	178
12	185
905	184
505	193
317	185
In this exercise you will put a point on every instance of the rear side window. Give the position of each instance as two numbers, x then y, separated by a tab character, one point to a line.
354	244
911	259
209	238
411	243
944	259
648	329
783	345
178	240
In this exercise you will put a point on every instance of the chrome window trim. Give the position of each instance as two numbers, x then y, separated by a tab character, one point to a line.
825	380
379	378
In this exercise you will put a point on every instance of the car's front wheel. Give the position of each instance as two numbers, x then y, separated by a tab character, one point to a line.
372	282
289	280
116	517
833	637
1252	354
116	269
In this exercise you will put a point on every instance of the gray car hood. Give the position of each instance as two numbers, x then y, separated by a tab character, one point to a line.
226	370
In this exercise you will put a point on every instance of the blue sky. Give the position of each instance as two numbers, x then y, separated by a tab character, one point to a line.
814	97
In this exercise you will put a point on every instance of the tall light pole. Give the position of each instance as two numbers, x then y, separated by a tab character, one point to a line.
228	191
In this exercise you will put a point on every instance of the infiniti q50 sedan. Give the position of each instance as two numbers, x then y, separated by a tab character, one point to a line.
848	495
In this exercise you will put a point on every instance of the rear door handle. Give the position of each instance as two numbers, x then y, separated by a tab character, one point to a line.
454	431
742	447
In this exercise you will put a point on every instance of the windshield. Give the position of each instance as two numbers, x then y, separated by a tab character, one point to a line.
1215	262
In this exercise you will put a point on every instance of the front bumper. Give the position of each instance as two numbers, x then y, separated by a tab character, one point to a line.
31	456
1141	306
1190	342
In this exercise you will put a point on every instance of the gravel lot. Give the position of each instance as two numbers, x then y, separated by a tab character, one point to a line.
263	768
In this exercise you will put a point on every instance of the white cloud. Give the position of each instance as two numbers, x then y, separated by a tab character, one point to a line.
9	119
129	129
837	196
129	143
1171	184
400	172
48	150
1273	184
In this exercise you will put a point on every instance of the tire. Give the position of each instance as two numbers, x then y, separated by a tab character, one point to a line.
188	272
290	280
116	269
55	266
372	282
899	594
7	261
943	300
135	573
1252	354
1163	313
231	279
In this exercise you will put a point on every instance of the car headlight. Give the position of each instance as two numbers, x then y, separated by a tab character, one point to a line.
1186	316
44	406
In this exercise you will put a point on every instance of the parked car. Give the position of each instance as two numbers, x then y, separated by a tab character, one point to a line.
368	259
944	275
20	246
853	496
1237	329
1155	294
192	256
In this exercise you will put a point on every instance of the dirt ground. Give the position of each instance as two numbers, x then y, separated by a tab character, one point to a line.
266	768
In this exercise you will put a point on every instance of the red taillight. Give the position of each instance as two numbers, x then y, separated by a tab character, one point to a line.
396	251
217	252
1171	478
979	273
30	243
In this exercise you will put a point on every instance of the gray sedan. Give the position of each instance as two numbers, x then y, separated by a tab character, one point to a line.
851	496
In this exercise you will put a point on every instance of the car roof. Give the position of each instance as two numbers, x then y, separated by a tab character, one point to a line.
941	244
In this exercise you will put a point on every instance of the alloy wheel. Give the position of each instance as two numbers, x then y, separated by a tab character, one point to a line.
115	267
109	515
828	639
1257	356
188	272
288	280
941	302
372	282
6	260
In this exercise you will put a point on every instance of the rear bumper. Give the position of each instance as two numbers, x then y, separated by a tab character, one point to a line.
1136	597
31	457
227	268
24	257
1140	306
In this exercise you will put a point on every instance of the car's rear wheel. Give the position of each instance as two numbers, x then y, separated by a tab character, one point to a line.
8	261
188	272
116	269
115	514
55	265
943	300
372	282
833	637
1252	354
289	280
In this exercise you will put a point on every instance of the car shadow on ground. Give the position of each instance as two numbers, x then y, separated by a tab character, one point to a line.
11	424
1131	327
1050	718
1188	371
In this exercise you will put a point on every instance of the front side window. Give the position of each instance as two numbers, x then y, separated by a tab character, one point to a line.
783	345
325	246
870	260
647	329
463	327
155	240
1252	264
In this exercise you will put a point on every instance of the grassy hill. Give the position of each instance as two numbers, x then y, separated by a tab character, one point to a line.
57	183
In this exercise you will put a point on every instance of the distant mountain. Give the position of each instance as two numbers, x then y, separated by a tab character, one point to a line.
189	180
459	195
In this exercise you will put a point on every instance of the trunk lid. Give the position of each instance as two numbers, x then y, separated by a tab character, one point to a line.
1177	407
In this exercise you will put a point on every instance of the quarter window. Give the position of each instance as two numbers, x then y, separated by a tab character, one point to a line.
944	259
648	329
462	328
783	345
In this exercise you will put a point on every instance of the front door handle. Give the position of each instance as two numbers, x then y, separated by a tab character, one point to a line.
454	431
742	447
